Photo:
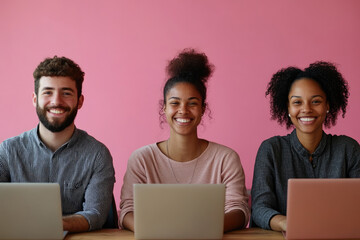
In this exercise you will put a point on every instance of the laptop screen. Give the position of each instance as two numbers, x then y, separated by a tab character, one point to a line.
323	208
30	211
179	211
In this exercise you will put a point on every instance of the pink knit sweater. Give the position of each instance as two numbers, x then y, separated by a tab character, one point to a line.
217	164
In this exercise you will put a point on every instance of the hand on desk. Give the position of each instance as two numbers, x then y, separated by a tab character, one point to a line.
75	223
278	223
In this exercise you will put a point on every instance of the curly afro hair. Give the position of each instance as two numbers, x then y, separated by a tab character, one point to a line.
325	74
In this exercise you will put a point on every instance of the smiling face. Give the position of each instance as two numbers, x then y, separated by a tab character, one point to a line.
307	106
57	102
183	109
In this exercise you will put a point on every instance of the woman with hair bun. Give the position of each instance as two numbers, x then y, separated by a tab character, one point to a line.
306	100
183	157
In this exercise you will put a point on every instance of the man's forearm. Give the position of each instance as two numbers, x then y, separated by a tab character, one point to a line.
75	223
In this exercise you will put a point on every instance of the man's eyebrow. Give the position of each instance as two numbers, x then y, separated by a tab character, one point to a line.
63	89
46	88
67	89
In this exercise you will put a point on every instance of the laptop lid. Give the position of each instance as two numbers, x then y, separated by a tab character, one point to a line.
30	211
179	211
323	208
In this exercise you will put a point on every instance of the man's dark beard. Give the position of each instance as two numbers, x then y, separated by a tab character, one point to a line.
55	127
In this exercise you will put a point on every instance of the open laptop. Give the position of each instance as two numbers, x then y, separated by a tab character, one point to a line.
323	208
179	211
30	211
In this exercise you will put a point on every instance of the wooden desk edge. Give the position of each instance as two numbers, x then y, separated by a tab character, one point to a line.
244	234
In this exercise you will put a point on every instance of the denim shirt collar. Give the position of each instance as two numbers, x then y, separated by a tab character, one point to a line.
300	148
71	142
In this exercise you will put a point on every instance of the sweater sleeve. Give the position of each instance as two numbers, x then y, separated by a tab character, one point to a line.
135	173
263	196
234	179
99	191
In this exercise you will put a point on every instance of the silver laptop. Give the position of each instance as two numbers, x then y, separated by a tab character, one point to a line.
179	211
323	209
30	211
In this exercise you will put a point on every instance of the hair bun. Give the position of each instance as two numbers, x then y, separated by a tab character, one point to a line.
190	65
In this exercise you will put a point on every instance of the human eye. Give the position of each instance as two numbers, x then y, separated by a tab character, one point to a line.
317	101
67	93
46	93
296	102
193	103
174	103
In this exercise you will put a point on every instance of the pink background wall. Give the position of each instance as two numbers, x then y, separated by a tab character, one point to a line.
123	47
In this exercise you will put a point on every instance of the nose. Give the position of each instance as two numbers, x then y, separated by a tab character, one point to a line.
306	107
183	109
56	99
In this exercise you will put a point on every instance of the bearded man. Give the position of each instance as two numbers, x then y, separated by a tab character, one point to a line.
58	152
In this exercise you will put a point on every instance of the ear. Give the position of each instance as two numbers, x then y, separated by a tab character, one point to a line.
80	101
34	99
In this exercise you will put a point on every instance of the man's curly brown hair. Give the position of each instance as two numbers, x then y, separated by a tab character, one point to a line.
59	66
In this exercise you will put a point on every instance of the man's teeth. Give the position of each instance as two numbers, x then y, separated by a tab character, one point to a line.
56	111
182	120
309	119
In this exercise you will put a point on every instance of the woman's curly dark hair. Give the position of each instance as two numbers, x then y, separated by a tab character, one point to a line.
325	74
191	67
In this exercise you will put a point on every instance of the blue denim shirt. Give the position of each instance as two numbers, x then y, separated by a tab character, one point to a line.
282	157
82	166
